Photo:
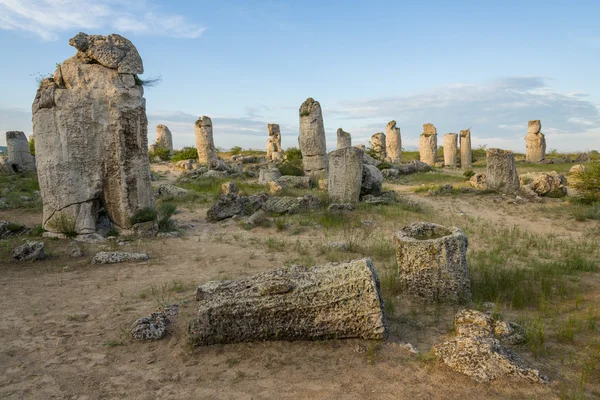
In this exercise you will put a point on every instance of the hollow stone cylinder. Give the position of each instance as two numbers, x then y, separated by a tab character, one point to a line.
312	139
345	175
535	142
343	139
501	172
207	154
432	262
393	143
428	144
466	158
450	149
378	145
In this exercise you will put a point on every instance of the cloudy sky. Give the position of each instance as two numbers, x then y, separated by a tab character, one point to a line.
461	64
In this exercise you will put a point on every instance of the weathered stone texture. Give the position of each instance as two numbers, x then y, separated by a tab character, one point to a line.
266	175
19	157
115	257
428	144
432	262
343	139
378	146
393	143
372	181
274	151
91	136
345	175
450	149
292	303
164	138
466	156
501	174
312	139
207	154
550	184
535	142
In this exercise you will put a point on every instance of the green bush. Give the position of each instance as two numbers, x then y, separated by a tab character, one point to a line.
291	168
292	154
64	224
235	150
370	152
187	153
468	174
587	184
32	146
162	153
143	215
385	165
165	212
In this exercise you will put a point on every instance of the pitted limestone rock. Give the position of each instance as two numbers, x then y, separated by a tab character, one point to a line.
19	156
372	181
378	145
550	184
115	257
466	156
450	149
501	174
345	175
428	144
393	143
207	154
312	139
164	138
29	251
535	142
152	327
343	139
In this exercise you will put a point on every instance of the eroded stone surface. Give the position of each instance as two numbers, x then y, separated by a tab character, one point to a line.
428	144
378	145
274	151
312	139
343	139
450	149
112	51
393	143
501	174
372	181
535	142
466	156
115	257
345	175
550	184
164	138
152	327
207	154
19	157
291	205
29	251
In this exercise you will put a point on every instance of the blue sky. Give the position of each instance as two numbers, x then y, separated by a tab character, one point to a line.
490	66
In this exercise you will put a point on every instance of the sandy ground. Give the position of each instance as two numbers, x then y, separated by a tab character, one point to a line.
64	328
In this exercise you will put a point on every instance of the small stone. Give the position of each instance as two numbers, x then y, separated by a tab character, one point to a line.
153	327
29	251
340	208
76	253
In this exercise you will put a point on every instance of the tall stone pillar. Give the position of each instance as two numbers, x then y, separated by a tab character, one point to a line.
19	156
164	138
428	144
378	146
312	140
345	175
343	139
207	154
465	149
535	142
501	173
274	152
450	141
393	143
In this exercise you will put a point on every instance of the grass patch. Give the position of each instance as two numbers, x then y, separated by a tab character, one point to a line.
143	215
64	224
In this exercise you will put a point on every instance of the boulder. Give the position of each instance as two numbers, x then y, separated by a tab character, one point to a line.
187	165
312	139
291	205
390	173
145	229
575	170
340	208
372	181
229	188
367	159
226	207
152	327
393	143
296	182
268	175
8	229
168	190
29	251
115	257
387	197
478	181
212	174
549	184
112	51
255	219
338	300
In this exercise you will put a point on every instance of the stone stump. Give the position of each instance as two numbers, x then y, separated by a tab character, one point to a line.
207	154
345	175
361	146
91	137
274	152
266	175
164	138
19	156
428	144
343	139
466	158
450	149
393	143
312	140
338	300
378	146
432	262
501	172
535	142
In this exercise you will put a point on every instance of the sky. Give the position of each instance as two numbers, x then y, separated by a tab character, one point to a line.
485	65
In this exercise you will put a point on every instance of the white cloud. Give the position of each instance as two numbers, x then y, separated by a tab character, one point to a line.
48	18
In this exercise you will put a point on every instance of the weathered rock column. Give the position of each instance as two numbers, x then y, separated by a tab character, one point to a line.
345	175
378	146
535	142
274	152
207	154
393	143
361	146
432	262
501	172
19	156
164	138
91	137
465	149
428	144
338	300
312	140
343	139
450	142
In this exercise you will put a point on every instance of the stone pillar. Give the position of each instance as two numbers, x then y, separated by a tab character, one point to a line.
450	142
465	149
361	146
274	152
19	155
535	142
378	146
432	262
428	144
345	175
91	137
501	173
164	138
343	139
312	140
393	143
207	154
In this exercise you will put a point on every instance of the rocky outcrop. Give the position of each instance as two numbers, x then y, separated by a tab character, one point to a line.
551	184
296	182
432	262
501	174
343	139
466	156
535	142
428	144
207	154
164	138
19	156
116	257
478	181
478	350
266	175
29	251
312	140
292	303
372	181
91	136
450	149
378	145
393	143
274	151
291	205
345	175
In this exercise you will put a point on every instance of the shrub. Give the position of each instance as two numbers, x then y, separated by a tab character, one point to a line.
165	212
468	174
32	146
479	153
162	153
235	150
187	153
385	165
64	224
288	168
588	184
292	154
143	215
370	152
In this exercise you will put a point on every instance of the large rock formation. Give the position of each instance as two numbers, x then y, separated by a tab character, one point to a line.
466	158
501	172
535	142
372	181
312	140
91	137
19	157
432	262
345	175
393	143
343	139
378	146
428	144
164	138
551	184
292	303
450	149
207	154
274	152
